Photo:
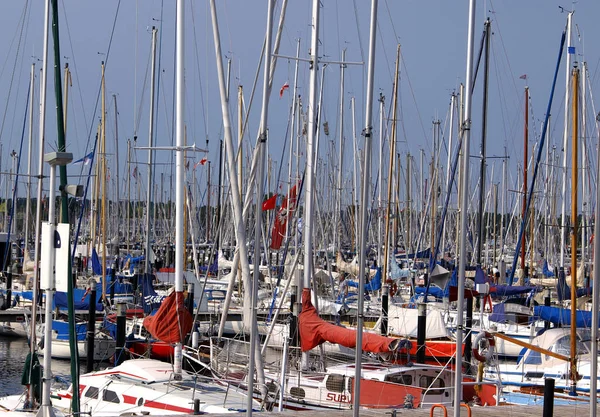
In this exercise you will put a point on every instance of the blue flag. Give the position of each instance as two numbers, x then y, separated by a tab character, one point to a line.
86	159
571	50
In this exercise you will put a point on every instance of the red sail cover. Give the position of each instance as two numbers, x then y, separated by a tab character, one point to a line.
283	214
314	331
171	322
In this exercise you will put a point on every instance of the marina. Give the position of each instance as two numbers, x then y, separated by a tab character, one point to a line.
192	223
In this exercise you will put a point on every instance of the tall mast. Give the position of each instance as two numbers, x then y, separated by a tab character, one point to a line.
486	72
29	161
433	188
40	182
240	232
61	147
386	240
128	215
584	200
355	174
310	154
563	223
337	236
103	179
466	124
179	166
380	174
149	180
364	205
408	242
117	168
525	161
293	127
574	182
595	288
450	136
261	151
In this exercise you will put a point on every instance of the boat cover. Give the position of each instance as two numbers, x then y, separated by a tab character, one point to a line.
562	316
314	331
150	299
373	285
172	322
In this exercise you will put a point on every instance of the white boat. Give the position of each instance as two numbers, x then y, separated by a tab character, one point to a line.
382	386
104	343
148	386
534	367
13	406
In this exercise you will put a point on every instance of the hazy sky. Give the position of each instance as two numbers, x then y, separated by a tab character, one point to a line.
525	40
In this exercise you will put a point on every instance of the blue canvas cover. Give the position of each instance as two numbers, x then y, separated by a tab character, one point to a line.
373	285
80	298
150	299
562	316
62	329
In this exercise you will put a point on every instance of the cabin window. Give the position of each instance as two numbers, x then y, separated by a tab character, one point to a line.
435	385
297	392
335	383
110	396
404	379
92	392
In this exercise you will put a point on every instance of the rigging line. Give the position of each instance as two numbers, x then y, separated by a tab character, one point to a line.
502	98
510	71
360	45
11	44
135	63
91	125
140	104
412	91
14	190
63	9
385	55
12	77
14	116
199	74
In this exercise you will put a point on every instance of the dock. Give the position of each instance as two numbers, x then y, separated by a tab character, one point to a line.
500	411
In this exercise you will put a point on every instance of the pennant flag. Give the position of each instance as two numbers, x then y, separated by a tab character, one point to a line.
187	165
270	203
134	173
283	88
86	159
523	77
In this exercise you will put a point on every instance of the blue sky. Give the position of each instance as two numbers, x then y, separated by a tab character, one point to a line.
432	34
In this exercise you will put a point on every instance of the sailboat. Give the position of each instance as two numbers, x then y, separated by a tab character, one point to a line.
149	386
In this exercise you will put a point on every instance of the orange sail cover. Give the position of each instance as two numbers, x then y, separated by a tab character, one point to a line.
314	331
171	322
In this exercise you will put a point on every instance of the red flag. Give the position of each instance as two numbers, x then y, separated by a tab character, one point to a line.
134	173
270	203
283	88
284	213
523	77
203	161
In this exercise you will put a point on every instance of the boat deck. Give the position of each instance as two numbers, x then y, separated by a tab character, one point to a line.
502	411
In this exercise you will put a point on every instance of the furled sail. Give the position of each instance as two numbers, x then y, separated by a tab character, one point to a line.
171	322
314	331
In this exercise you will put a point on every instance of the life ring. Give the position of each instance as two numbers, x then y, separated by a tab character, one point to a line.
488	345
